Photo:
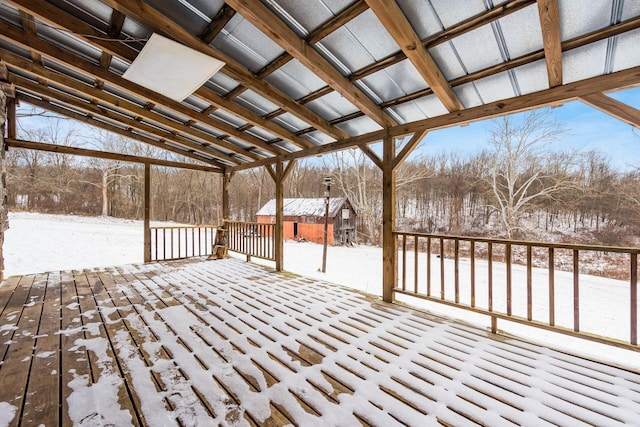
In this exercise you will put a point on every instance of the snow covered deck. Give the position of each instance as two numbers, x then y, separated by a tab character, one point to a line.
186	342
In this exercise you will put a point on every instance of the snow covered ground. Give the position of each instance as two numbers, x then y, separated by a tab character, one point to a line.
40	242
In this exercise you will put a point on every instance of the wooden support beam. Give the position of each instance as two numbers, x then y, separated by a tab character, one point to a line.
613	107
66	58
408	149
550	25
218	22
147	212
156	21
11	118
115	27
97	110
126	132
76	151
270	24
288	169
389	249
279	228
271	172
227	176
397	24
371	155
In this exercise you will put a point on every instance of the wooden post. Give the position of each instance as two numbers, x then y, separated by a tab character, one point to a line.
279	229
226	182
389	252
7	110
147	212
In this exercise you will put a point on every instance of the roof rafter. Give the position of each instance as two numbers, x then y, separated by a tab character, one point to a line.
550	25
156	21
126	132
90	35
613	107
218	22
70	60
568	92
399	27
76	151
94	109
115	27
269	23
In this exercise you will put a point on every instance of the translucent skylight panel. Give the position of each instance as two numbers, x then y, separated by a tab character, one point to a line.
395	81
576	19
419	109
361	42
468	95
295	80
532	77
228	118
290	122
522	32
496	87
187	17
630	9
221	83
317	138
627	52
256	103
246	44
308	14
69	43
359	126
478	49
584	62
94	12
450	15
331	106
260	133
421	16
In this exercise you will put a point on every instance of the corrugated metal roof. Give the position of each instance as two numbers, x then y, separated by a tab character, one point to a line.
324	75
304	207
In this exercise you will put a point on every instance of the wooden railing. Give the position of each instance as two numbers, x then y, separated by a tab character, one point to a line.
178	242
539	284
251	239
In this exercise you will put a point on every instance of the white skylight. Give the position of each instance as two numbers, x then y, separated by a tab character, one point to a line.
171	68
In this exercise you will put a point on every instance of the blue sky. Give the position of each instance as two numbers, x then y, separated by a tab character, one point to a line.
587	128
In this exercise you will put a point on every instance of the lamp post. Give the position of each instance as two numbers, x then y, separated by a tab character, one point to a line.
327	182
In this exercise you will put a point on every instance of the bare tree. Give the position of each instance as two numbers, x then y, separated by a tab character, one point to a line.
520	171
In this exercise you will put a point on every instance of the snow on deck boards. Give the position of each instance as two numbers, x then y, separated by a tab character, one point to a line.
227	342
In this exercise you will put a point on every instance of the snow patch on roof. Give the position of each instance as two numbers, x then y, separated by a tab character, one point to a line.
304	207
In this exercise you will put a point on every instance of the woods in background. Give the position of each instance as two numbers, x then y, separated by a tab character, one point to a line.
519	187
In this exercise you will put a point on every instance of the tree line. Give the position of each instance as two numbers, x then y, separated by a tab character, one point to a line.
519	187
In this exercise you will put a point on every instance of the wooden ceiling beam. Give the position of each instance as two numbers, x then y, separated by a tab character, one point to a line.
409	147
92	108
59	55
156	21
114	30
126	132
613	107
560	94
51	14
399	27
218	22
371	155
76	151
270	24
550	26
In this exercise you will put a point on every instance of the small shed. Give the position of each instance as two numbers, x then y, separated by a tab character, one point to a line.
304	219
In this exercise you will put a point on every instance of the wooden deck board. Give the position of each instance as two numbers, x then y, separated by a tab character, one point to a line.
228	342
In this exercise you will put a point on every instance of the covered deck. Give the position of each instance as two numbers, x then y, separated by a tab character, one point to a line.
226	342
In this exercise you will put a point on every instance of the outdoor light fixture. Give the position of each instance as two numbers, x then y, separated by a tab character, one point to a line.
170	68
327	181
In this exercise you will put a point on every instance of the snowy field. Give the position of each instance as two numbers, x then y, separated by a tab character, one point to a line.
39	242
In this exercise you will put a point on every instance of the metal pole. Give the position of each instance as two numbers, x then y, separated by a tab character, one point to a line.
327	181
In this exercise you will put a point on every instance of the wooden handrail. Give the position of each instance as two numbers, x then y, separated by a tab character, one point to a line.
500	288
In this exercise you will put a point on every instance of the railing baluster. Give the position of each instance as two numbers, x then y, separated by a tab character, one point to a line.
576	291
508	261
552	292
456	269
490	275
404	262
529	285
633	339
472	249
156	249
429	266
415	264
441	268
172	242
